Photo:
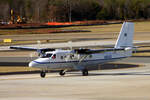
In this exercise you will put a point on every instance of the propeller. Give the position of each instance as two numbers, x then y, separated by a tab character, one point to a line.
32	54
38	44
70	44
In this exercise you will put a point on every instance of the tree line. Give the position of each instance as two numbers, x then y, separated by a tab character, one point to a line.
74	10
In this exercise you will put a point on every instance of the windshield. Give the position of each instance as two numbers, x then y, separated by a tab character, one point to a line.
47	55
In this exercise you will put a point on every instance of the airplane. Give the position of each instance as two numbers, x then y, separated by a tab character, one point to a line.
82	59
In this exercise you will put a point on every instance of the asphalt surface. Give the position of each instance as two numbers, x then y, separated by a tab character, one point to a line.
117	84
93	43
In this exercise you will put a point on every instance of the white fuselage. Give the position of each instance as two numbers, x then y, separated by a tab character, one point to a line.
67	59
82	59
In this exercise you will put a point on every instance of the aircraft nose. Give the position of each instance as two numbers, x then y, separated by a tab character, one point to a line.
32	64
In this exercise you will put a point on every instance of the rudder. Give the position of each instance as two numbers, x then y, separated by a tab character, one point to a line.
125	38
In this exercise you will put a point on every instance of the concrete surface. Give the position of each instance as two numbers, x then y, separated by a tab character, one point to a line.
100	85
119	84
94	43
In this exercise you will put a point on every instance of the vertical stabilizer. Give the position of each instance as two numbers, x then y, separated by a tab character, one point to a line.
125	38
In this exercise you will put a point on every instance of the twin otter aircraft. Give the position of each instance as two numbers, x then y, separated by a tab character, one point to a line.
82	59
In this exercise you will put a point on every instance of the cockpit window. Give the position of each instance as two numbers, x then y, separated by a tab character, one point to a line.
54	56
47	55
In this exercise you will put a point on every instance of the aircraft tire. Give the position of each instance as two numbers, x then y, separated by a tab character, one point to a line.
85	72
43	74
62	73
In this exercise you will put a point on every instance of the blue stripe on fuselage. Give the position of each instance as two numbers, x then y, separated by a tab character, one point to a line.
75	61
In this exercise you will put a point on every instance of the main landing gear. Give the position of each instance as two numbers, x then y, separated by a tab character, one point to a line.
85	72
62	72
43	74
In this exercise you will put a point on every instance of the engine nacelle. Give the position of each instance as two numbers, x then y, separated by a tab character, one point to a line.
128	48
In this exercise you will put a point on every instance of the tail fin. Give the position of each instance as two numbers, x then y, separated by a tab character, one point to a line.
125	38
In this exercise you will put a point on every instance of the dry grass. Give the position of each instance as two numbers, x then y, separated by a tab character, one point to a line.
32	42
98	29
144	51
16	69
25	31
142	26
139	27
18	53
142	54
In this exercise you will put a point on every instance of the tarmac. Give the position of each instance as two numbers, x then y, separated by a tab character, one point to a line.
96	43
117	84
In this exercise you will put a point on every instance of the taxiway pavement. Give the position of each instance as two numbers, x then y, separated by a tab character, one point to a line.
118	84
95	43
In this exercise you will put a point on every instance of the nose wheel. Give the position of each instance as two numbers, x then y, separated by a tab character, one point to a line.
62	73
85	72
43	74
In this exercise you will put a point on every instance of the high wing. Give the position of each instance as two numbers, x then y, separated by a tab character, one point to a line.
92	51
40	51
78	51
23	48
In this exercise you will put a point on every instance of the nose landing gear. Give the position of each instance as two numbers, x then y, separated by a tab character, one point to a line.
85	72
61	73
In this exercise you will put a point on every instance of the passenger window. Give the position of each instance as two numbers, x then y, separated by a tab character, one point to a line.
46	55
90	56
61	57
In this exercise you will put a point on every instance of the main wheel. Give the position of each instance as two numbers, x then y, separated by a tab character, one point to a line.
85	72
43	74
62	73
